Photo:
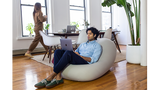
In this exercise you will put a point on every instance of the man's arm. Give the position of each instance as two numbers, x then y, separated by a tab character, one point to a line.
85	58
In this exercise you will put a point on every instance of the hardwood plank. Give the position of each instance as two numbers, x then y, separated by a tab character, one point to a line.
121	76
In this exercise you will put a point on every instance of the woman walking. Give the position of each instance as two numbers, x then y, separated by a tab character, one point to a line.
38	20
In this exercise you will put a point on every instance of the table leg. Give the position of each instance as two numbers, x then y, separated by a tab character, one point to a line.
100	35
116	42
65	36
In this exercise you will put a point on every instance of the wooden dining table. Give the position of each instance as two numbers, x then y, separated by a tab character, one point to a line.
101	34
64	34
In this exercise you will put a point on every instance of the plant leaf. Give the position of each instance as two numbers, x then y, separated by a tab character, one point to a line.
121	3
75	23
30	27
129	9
108	3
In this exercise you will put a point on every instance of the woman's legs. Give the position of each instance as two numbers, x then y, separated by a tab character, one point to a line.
33	45
37	39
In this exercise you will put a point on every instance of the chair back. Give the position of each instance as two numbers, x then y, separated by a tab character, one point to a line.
108	34
50	40
82	37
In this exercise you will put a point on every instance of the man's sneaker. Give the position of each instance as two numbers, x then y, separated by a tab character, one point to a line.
42	84
53	83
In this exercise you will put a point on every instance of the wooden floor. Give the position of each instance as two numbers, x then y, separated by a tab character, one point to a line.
121	76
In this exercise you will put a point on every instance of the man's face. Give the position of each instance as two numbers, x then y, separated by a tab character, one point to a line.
90	35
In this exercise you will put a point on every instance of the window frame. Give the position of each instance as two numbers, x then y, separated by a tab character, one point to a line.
84	7
108	12
45	1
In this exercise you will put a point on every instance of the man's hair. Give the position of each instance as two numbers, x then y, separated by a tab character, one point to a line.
94	31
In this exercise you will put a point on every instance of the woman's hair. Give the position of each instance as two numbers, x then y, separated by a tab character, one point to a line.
94	31
37	8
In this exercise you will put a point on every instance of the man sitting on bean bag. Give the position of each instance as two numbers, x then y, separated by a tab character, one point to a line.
87	53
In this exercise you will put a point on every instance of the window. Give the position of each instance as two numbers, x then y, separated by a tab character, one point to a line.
78	12
27	7
106	17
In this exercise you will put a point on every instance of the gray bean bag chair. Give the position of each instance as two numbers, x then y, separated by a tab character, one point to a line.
93	71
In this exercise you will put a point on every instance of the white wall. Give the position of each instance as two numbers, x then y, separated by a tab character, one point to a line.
123	26
96	14
148	34
61	14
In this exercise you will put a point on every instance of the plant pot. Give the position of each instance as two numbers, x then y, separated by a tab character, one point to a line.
30	35
133	54
46	32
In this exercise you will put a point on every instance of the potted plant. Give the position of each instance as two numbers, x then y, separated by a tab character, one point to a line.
46	27
29	28
133	49
75	23
77	26
86	24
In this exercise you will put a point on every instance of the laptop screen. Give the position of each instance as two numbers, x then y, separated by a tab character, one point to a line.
66	44
71	28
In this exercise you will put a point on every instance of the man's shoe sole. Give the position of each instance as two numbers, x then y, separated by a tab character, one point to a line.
40	87
48	87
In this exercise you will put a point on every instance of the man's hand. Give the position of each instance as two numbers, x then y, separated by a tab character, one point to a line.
77	53
85	58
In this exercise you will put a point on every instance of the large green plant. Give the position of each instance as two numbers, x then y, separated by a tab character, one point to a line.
130	14
137	6
30	27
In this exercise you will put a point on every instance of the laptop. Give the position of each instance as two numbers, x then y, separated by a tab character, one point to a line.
71	28
66	44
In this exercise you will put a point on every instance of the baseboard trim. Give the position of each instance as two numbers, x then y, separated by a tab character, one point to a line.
123	44
23	51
